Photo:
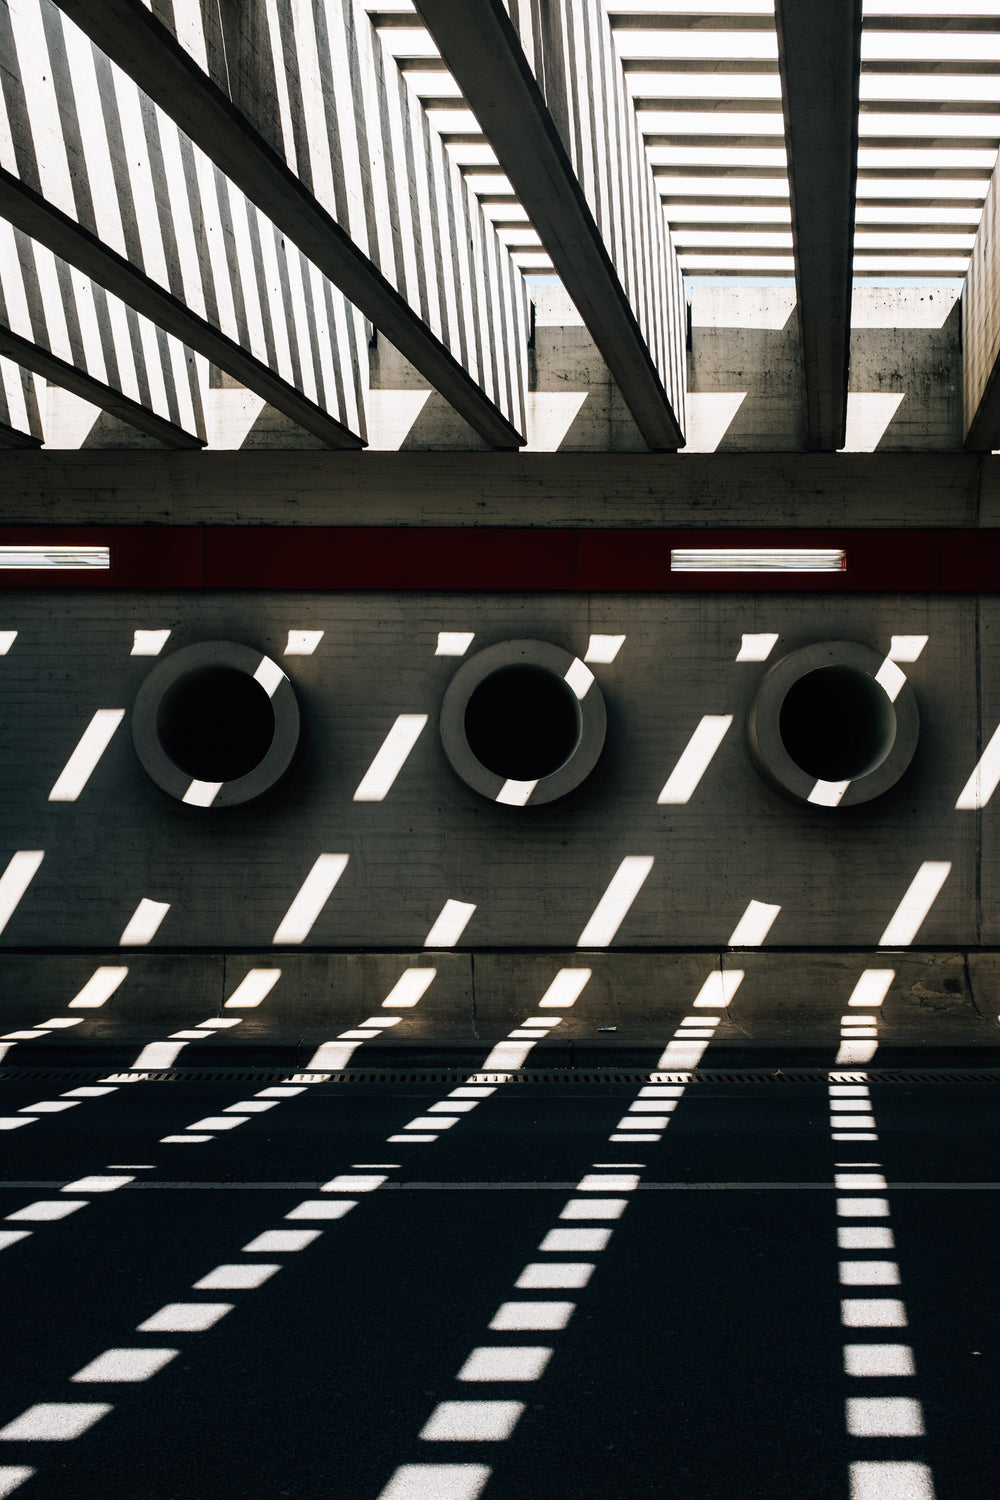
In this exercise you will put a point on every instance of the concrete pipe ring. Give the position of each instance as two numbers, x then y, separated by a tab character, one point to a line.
834	724
216	724
523	722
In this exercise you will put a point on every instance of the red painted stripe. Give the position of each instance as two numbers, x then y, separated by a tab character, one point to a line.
516	559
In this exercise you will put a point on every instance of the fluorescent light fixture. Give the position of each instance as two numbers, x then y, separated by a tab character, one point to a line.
148	642
890	1479
454	642
20	871
451	922
94	741
758	560
313	895
390	758
252	989
613	907
756	647
602	649
754	925
695	759
565	989
410	988
7	639
719	988
99	987
303	642
981	785
55	557
920	896
144	923
872	987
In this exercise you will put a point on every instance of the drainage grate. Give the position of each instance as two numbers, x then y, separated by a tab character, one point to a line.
522	1076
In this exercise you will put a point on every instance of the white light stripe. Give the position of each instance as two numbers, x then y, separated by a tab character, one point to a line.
144	923
13	1475
602	649
872	987
7	639
756	647
828	793
507	1056
578	678
54	1421
719	988
390	758
83	762
566	989
331	1056
981	785
99	987
695	759
916	903
757	559
315	891
202	793
14	881
906	647
515	793
614	905
269	674
125	1365
55	557
891	679
436	1482
754	925
454	642
252	989
303	642
148	642
158	1055
890	1479
410	988
450	924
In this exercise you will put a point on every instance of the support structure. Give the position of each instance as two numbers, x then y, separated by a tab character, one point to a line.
191	253
59	324
819	54
20	416
318	130
564	131
981	332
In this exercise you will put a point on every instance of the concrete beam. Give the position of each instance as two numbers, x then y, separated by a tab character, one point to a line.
565	134
20	411
819	55
107	181
69	240
321	167
981	331
59	324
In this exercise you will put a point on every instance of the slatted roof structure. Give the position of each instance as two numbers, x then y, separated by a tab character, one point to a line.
252	184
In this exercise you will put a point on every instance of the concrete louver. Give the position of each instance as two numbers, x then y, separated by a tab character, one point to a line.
59	324
313	121
819	56
548	91
102	177
981	332
20	408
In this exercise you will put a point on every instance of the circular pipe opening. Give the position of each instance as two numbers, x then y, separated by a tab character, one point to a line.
522	722
216	724
837	723
833	724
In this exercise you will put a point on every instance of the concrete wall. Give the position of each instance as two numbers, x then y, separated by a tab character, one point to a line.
534	875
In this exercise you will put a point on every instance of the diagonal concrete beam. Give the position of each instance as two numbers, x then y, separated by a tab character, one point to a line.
20	409
981	331
819	58
476	355
565	134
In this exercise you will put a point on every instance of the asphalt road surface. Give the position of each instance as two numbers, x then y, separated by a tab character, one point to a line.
326	1291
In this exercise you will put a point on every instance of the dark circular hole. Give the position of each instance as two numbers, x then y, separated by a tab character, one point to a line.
522	723
216	724
837	723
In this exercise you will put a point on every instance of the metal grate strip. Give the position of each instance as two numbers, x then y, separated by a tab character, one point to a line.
522	1076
